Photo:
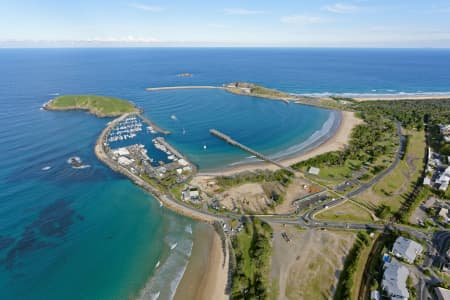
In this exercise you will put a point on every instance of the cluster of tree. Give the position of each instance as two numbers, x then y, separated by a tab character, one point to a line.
411	113
370	140
282	176
249	277
345	284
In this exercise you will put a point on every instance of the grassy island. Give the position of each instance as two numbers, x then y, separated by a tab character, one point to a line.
101	106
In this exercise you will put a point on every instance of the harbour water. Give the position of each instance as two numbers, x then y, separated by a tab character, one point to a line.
89	233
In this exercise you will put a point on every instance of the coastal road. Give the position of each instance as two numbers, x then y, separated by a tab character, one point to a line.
309	216
402	145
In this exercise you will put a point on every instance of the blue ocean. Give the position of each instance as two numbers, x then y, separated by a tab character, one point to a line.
90	233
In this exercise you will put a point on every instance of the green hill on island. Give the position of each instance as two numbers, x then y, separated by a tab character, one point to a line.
101	106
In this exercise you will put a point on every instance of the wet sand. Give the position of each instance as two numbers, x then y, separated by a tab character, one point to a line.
206	274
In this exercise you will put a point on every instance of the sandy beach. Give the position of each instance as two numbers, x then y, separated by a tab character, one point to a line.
336	142
402	97
207	272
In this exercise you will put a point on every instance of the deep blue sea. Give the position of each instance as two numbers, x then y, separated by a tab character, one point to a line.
90	233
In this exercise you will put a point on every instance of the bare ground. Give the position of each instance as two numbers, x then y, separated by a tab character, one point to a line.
308	267
255	197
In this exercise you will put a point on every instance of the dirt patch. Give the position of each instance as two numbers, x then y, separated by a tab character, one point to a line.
257	197
308	267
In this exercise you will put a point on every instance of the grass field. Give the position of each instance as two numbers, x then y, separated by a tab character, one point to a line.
390	191
345	212
358	275
98	105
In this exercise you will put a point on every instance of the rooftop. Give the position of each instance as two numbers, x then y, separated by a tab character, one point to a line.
314	171
406	249
394	280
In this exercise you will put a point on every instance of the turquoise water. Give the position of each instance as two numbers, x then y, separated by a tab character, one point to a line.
90	233
265	125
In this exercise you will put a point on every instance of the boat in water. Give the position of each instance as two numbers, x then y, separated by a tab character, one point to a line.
46	168
77	163
173	117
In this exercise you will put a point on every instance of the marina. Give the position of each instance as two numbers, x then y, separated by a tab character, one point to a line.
144	153
127	129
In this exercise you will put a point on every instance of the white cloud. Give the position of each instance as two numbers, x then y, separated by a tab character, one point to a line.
241	11
145	7
340	8
127	39
300	19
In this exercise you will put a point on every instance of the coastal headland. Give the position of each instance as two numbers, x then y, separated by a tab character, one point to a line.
100	106
258	91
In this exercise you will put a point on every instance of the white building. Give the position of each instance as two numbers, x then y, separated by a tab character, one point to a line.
445	129
121	151
406	249
444	180
183	162
442	294
443	212
314	171
124	161
394	281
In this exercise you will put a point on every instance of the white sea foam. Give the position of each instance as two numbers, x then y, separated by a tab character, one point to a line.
165	280
375	93
155	296
176	281
188	229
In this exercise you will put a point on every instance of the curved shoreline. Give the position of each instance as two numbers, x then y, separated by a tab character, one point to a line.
332	142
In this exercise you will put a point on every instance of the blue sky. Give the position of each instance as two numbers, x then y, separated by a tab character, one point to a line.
296	23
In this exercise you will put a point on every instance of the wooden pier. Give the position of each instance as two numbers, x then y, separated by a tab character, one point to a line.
232	142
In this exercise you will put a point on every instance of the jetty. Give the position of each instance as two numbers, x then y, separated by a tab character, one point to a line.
185	87
102	153
261	156
152	124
